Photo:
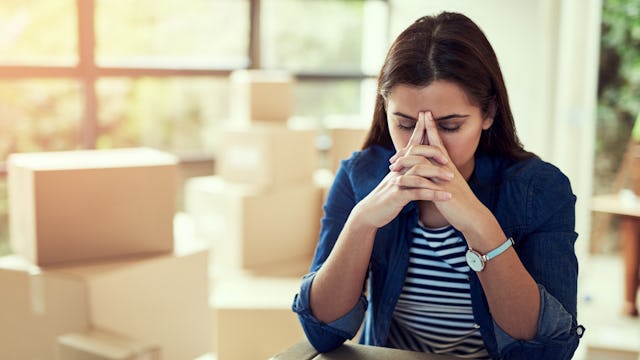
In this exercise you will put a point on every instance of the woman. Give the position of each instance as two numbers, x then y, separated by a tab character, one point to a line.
449	235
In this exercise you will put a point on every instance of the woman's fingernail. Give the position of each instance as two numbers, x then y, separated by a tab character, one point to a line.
450	175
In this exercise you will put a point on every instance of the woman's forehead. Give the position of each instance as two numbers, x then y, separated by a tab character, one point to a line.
438	96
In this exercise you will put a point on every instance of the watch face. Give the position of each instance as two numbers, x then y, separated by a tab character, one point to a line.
474	261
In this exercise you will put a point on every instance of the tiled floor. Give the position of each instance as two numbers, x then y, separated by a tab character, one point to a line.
609	335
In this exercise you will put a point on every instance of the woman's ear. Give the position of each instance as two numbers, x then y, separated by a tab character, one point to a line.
489	115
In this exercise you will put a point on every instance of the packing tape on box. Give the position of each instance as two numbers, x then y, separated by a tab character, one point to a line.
36	292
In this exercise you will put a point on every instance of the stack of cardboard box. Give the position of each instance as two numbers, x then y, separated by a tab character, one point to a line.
97	273
94	254
261	213
261	208
345	139
341	140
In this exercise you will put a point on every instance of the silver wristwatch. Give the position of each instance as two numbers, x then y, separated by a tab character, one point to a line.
476	261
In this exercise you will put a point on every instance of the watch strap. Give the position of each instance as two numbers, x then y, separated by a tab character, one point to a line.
500	249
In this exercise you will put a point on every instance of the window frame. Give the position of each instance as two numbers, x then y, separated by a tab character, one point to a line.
88	72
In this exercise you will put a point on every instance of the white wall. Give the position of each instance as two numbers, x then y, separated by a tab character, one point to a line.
573	129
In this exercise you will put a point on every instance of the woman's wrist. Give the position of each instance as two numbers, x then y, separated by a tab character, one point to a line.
485	234
359	222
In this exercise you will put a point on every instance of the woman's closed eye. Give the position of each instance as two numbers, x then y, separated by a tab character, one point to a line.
449	127
444	127
406	127
406	124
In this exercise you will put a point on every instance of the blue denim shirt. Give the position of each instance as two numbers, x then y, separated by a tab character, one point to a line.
533	202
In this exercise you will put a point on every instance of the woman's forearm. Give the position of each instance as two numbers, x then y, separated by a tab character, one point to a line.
513	295
338	284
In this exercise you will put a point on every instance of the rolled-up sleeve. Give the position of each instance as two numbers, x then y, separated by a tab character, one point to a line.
557	336
326	337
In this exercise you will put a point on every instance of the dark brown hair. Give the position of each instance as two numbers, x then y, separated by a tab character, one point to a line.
453	48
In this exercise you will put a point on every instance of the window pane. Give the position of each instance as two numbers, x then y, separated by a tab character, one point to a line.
174	114
172	33
322	36
39	115
320	99
36	32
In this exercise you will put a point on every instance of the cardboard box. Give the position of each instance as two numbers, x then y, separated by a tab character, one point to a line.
103	345
268	156
200	192
161	300
92	204
207	356
323	179
261	96
251	228
344	141
352	351
35	308
295	268
253	316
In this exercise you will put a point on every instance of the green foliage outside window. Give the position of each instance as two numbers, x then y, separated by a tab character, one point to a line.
38	32
175	114
618	88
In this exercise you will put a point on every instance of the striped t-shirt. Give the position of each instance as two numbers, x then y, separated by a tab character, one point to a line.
433	313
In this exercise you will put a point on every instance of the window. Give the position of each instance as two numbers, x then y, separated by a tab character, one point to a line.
178	114
172	33
327	36
39	114
115	73
37	33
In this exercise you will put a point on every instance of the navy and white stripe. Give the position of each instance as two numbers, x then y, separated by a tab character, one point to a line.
433	313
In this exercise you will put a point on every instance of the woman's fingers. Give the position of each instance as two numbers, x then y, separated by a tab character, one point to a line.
424	138
416	181
422	152
412	187
417	165
429	195
433	138
431	172
417	138
394	192
418	135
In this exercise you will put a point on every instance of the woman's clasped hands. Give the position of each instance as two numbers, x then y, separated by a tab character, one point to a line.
424	163
422	171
